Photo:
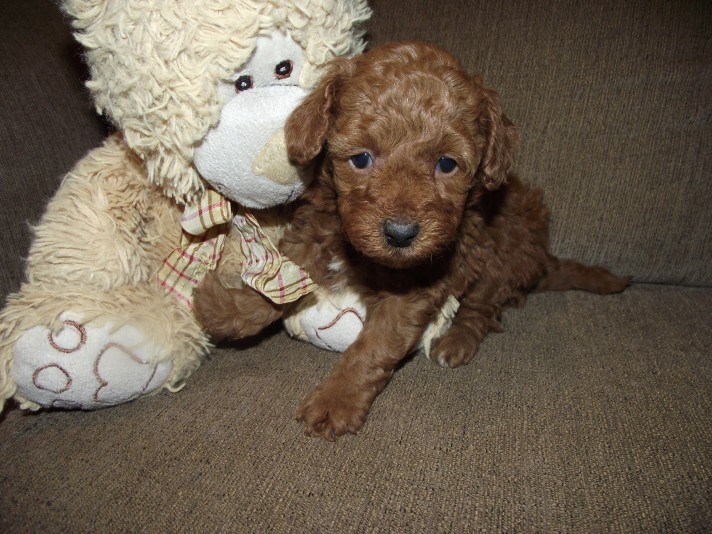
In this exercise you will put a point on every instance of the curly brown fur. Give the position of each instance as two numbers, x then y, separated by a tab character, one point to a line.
482	235
406	229
232	312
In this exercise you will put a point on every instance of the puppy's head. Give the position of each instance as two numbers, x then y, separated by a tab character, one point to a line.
408	135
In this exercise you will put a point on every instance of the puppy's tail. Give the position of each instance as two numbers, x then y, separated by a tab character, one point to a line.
563	275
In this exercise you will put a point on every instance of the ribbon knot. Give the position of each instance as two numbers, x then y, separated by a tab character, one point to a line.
266	270
205	224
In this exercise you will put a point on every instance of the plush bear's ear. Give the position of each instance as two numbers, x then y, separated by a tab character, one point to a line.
84	12
500	139
308	126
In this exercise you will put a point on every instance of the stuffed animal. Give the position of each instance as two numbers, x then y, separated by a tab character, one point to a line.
192	180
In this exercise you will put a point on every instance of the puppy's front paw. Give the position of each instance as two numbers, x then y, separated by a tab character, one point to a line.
452	349
330	412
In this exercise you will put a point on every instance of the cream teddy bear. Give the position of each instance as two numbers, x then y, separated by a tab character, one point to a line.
198	91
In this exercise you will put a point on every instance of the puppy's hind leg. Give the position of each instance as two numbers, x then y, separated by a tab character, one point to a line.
232	313
563	275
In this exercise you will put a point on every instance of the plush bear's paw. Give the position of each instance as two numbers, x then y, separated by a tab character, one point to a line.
333	329
333	322
85	366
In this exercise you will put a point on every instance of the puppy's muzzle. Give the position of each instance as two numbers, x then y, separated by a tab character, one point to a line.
400	234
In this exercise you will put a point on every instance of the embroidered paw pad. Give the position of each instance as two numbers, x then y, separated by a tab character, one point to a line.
86	367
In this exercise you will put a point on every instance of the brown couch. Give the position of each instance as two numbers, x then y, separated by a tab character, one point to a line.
587	414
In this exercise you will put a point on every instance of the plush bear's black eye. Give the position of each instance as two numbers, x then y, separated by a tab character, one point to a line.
243	83
446	165
283	69
361	161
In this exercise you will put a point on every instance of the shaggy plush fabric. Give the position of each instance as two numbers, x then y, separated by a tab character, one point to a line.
134	83
156	71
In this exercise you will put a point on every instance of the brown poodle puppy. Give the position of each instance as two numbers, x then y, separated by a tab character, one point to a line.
413	202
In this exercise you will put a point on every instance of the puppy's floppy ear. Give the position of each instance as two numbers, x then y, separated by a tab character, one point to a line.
500	139
308	125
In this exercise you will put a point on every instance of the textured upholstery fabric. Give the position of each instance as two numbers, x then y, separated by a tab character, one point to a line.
587	414
603	425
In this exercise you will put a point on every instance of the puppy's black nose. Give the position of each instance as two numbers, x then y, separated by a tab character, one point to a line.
400	234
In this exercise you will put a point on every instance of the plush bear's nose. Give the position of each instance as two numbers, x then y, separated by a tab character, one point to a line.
272	162
400	234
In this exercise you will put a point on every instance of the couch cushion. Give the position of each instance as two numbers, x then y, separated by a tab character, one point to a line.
587	414
612	100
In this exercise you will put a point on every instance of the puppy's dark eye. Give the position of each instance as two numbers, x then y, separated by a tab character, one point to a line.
243	83
446	165
361	161
283	69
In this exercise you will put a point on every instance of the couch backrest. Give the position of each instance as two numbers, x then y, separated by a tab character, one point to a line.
47	122
612	100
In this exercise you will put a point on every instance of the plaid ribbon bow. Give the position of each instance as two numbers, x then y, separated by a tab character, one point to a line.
205	225
266	270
